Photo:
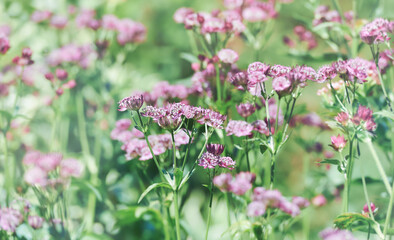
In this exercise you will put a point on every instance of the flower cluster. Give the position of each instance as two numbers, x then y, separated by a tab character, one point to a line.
132	103
83	55
50	169
212	158
239	185
363	118
25	58
264	198
304	36
377	31
136	147
252	11
170	116
56	79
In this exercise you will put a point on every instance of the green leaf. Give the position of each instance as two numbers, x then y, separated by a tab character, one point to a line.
151	187
189	57
85	185
346	220
178	177
384	113
331	161
263	148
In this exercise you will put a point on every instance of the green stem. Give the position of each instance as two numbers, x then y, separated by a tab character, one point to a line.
388	214
366	197
227	196
247	152
218	83
210	202
188	148
379	166
348	178
176	211
173	151
376	60
272	172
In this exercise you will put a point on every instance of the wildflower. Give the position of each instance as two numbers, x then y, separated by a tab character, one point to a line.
261	127
59	91
215	149
278	71
319	200
256	77
245	109
59	22
222	181
256	208
10	219
49	161
325	73
228	56
287	41
40	16
49	76
366	209
61	74
289	208
132	103
35	222
336	234
342	118
36	176
239	128
233	4
181	13
254	14
258	67
281	84
71	168
212	119
375	32
110	22
208	160
300	202
364	113
338	143
242	183
226	162
25	59
4	44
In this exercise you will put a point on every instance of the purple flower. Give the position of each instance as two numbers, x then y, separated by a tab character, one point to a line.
325	73
281	84
258	67
132	103
212	119
242	183
59	22
319	200
289	208
36	176
366	209
239	128
10	219
338	143
246	109
278	71
256	208
40	16
215	149
181	13
35	221
208	160
261	127
228	56
222	181
226	162
375	32
300	202
71	168
4	44
336	234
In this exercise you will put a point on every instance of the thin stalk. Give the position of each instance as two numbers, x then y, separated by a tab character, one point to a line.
277	114
188	149
8	170
366	197
173	151
207	136
376	61
379	166
227	196
218	83
348	178
247	152
388	214
210	201
176	211
272	178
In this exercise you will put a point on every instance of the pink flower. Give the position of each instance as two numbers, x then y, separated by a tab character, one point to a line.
35	221
261	127
36	176
59	22
222	181
40	16
242	183
227	162
71	168
258	67
256	208
278	71
49	161
61	74
4	44
289	208
254	14
300	202
208	160
233	4
31	157
342	118
364	113
215	149
281	84
181	13
319	200
228	56
239	128
338	143
10	219
85	17
366	209
375	32
245	109
110	22
212	25
132	103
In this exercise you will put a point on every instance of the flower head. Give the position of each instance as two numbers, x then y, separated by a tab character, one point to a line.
215	148
246	109
222	181
239	128
338	143
336	234
228	56
35	221
10	219
132	103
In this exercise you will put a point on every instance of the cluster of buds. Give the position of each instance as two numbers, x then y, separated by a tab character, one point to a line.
212	158
132	103
377	31
239	185
50	169
304	36
362	118
264	198
365	210
25	58
57	79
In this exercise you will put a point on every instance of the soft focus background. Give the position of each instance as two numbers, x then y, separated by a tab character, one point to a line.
162	57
